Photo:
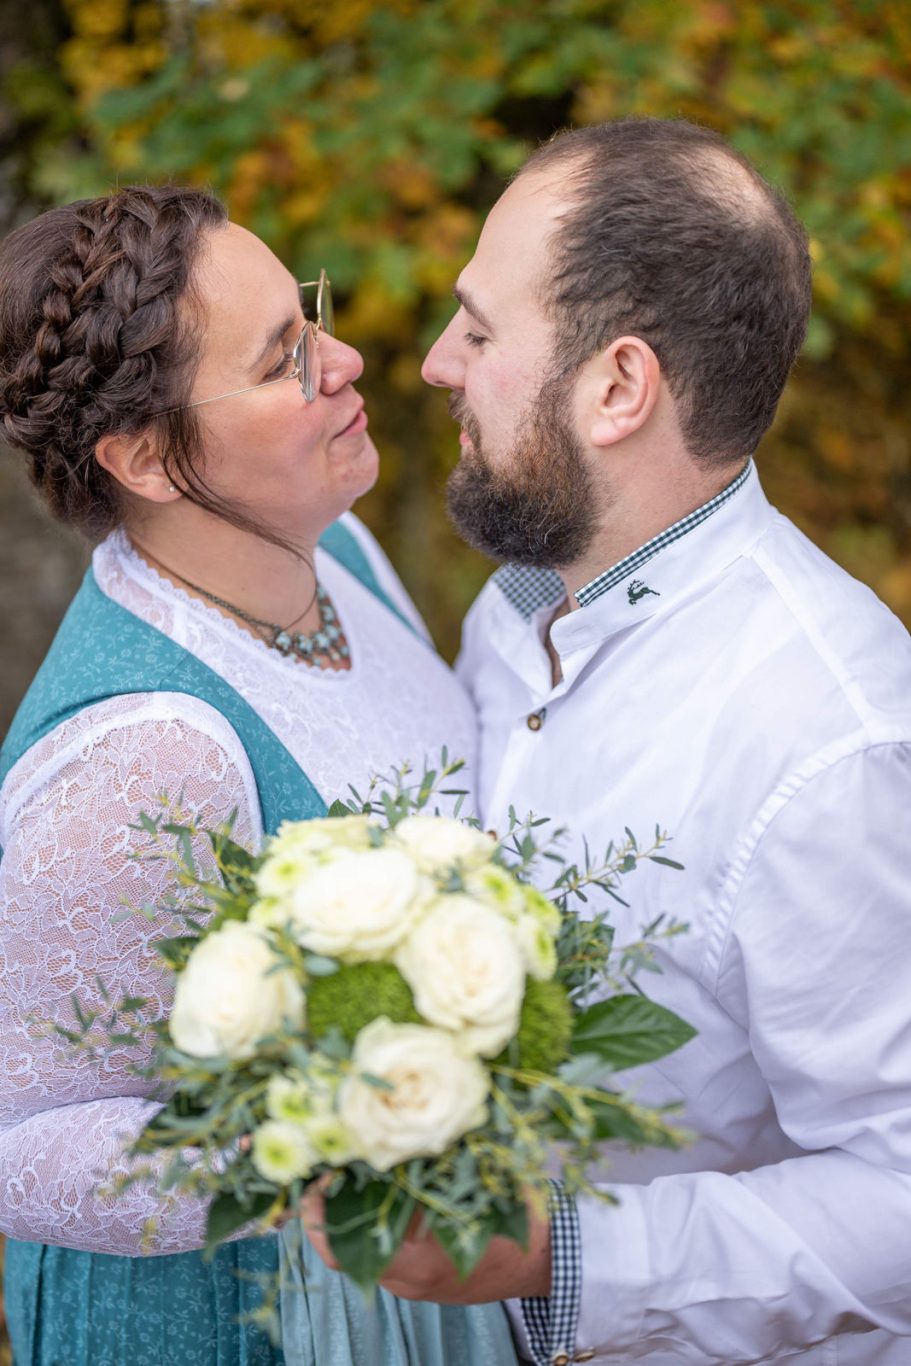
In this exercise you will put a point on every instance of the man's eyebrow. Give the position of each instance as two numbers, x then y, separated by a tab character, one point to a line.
469	305
274	338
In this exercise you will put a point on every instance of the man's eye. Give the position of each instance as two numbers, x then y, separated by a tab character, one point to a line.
283	367
474	339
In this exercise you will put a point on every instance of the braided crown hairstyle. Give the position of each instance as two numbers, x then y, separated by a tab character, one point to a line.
96	339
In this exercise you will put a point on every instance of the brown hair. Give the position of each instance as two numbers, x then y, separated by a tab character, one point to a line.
670	235
96	339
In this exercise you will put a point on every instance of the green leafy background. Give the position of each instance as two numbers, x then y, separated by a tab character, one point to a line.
372	137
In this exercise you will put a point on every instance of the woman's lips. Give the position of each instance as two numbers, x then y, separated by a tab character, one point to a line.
357	424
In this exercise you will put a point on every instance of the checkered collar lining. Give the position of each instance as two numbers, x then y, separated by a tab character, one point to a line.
527	588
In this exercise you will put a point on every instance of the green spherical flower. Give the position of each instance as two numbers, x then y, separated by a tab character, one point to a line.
355	995
545	1026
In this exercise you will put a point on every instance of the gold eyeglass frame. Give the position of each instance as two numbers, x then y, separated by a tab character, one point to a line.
305	352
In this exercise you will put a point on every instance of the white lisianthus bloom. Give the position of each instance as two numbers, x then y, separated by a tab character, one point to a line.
359	906
538	947
497	887
543	909
288	1097
438	843
231	994
466	969
433	1094
282	1152
330	1138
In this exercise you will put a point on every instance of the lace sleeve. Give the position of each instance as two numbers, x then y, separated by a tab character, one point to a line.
65	877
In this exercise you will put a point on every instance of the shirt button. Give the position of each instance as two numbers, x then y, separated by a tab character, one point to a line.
586	1355
560	1359
534	721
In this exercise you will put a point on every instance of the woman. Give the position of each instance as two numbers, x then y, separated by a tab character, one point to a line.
234	645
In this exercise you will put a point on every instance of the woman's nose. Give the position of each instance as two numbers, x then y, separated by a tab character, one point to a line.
341	363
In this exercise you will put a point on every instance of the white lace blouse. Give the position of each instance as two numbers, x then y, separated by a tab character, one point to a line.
65	812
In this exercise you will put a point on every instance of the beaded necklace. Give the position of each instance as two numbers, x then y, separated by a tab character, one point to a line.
326	647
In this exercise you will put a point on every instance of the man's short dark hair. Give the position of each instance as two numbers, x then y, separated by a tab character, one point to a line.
672	236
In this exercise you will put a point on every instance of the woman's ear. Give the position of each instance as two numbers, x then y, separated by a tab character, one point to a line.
623	385
135	463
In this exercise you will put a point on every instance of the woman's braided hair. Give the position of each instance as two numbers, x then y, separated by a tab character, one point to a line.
95	340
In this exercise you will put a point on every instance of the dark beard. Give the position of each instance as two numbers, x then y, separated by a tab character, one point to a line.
540	510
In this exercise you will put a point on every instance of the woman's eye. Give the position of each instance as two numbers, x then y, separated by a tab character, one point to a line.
283	367
474	339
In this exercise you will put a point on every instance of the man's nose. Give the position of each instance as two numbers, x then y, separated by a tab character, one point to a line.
442	364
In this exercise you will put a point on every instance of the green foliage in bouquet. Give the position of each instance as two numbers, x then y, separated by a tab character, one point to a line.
384	997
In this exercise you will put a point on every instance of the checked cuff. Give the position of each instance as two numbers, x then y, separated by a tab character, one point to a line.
550	1323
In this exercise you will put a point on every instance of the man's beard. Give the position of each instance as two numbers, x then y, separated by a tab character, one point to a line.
540	507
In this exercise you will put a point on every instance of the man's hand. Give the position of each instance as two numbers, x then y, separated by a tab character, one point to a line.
422	1270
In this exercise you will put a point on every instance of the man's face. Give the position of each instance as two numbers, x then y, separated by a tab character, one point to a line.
523	489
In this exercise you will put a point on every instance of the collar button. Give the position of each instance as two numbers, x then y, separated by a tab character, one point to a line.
535	719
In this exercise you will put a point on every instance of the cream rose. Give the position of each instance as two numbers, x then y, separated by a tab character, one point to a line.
296	851
438	843
466	969
358	906
433	1093
231	994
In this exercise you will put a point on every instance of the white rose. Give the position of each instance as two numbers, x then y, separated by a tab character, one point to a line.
296	851
341	832
438	843
231	994
359	906
466	969
433	1093
282	1152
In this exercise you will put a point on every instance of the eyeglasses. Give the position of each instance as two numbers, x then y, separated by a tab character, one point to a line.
308	367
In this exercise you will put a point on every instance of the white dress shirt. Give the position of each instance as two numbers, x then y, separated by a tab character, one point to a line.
731	684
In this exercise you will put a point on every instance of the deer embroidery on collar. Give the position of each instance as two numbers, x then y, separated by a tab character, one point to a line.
636	589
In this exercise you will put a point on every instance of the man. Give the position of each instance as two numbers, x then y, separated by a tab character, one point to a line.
662	646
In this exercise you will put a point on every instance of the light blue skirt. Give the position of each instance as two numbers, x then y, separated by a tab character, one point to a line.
326	1322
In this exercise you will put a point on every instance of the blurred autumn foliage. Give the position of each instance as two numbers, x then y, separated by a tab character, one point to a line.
371	138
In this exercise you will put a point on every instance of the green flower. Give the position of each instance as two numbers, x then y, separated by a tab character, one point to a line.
355	996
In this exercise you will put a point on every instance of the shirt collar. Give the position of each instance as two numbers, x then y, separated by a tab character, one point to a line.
697	547
609	578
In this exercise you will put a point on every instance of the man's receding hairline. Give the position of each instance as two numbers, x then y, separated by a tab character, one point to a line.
715	171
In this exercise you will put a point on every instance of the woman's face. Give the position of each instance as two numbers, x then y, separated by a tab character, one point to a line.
294	465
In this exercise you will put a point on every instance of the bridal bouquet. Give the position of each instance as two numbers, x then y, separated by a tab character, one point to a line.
383	996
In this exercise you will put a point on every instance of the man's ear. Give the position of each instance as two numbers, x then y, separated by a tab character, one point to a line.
622	390
135	463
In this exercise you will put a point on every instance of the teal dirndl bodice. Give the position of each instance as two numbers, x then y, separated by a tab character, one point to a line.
67	1307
